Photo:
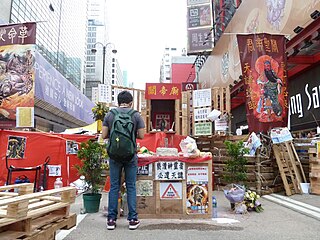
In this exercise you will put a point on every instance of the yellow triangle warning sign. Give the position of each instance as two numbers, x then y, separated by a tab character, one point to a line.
170	193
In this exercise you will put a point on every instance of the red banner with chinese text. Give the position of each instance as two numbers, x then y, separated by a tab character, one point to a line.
264	70
163	91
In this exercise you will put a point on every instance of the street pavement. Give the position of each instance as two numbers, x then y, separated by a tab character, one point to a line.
279	220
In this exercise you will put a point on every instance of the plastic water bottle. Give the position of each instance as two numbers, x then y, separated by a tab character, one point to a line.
214	207
58	183
125	204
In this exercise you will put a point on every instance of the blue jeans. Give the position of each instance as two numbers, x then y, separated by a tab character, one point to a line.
130	169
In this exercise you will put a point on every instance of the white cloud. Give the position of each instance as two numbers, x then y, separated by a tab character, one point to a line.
141	29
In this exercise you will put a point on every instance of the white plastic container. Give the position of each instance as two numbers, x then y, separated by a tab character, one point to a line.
58	183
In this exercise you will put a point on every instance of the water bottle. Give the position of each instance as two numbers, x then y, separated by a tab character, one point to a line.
214	207
58	183
125	204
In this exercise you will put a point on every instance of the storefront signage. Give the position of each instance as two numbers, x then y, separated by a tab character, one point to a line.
199	40
199	16
163	91
200	114
202	128
170	190
201	98
304	100
197	174
195	2
172	170
187	86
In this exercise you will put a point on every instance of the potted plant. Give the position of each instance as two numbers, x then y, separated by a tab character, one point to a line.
92	155
235	171
99	111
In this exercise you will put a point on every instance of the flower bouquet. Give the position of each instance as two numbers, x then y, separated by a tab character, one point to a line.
251	201
234	193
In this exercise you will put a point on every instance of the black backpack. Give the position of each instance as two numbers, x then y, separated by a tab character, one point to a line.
122	142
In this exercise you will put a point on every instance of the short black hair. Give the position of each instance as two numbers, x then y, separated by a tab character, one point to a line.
124	97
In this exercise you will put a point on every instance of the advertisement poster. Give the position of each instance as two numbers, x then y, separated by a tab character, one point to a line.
197	199
72	147
144	188
17	74
16	147
264	71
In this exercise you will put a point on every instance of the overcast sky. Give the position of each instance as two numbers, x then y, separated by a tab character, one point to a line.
141	29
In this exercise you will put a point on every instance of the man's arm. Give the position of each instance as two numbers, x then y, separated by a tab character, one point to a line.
105	131
140	133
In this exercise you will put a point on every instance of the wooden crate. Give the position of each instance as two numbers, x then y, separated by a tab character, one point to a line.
27	215
314	171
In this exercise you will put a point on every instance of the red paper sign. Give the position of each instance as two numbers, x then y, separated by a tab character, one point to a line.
163	91
264	71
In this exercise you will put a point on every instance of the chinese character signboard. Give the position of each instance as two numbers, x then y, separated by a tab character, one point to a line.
163	91
199	16
17	74
198	40
203	128
172	170
264	71
198	174
201	98
104	92
200	114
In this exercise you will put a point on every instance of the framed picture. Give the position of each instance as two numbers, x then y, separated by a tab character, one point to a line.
162	121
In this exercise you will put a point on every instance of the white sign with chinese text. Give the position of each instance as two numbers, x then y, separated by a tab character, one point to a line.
200	114
172	170
201	98
104	93
198	174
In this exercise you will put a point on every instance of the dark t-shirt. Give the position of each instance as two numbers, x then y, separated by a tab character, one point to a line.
136	119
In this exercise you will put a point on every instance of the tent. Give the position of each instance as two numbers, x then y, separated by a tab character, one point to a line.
29	149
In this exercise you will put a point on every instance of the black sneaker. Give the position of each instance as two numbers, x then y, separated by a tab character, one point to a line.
134	224
111	224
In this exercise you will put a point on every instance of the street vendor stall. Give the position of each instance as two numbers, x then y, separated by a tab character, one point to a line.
172	185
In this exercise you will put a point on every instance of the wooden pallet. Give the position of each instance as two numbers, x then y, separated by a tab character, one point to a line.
35	215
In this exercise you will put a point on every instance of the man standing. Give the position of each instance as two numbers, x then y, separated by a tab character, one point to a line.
125	101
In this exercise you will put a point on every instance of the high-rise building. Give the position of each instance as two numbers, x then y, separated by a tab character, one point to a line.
61	45
60	32
98	39
165	67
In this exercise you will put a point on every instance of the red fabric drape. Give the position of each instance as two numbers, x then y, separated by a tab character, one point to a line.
38	147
